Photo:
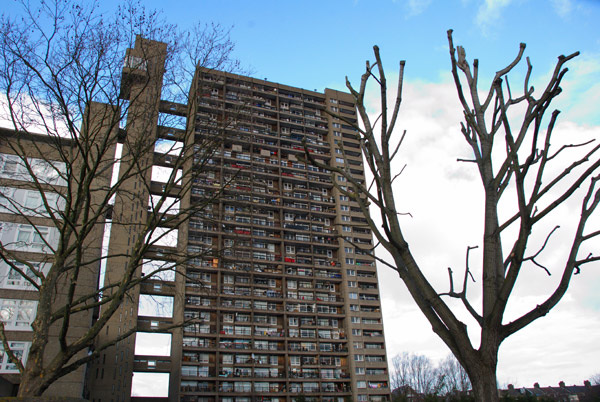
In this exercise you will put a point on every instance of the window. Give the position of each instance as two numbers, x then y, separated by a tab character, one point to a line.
349	250
290	250
346	228
339	160
354	307
359	370
351	272
356	332
13	167
32	238
351	284
345	218
307	333
359	358
358	345
353	295
355	320
350	261
336	125
344	208
27	202
17	315
20	350
12	279
344	198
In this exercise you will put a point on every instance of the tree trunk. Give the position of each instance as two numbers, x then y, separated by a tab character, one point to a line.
33	383
483	380
31	386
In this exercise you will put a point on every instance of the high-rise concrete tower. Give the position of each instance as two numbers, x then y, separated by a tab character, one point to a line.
282	299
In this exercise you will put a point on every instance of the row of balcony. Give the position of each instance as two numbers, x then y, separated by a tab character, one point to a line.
262	389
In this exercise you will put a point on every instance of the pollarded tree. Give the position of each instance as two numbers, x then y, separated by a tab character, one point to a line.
66	96
514	162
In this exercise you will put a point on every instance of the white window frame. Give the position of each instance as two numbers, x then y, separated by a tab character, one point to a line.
11	279
32	237
48	172
19	349
15	315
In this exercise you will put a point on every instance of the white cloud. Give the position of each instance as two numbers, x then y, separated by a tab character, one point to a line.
560	346
152	344
581	89
155	306
445	199
562	7
489	13
416	7
150	384
32	116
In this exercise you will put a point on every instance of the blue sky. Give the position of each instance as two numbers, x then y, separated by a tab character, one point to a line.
315	44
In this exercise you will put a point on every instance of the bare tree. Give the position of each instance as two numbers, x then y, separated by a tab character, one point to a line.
67	94
417	373
595	379
455	377
517	165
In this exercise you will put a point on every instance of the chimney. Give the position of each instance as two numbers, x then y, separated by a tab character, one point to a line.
536	385
561	384
587	384
510	386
